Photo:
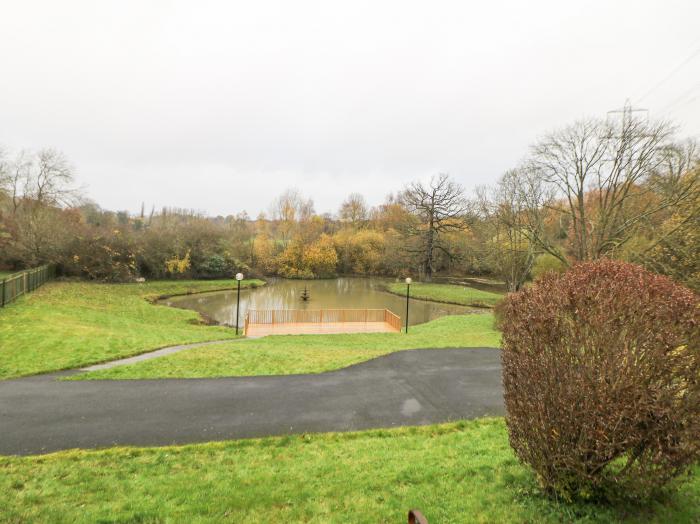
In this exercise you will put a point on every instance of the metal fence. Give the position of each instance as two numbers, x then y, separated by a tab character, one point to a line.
23	282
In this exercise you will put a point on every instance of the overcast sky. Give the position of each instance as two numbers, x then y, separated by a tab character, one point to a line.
220	106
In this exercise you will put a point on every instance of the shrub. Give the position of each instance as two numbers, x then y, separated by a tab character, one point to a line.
601	371
104	257
216	266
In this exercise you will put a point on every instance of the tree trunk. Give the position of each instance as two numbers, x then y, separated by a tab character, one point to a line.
429	247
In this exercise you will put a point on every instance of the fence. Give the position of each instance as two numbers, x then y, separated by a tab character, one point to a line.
320	316
24	282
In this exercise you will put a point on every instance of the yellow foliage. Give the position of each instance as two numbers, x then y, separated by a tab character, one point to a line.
360	251
177	265
264	256
321	258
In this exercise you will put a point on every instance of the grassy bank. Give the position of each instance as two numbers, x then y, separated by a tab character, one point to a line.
69	324
284	355
461	472
447	293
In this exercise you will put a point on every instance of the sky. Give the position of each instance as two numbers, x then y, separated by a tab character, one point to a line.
221	106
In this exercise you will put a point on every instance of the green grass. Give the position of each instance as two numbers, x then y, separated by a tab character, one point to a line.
5	274
448	293
291	354
459	472
69	324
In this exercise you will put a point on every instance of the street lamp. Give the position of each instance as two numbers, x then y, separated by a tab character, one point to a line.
408	287
239	277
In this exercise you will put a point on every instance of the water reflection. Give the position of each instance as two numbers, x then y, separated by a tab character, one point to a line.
340	293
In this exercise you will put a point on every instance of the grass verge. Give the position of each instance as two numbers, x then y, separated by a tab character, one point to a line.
292	354
458	472
447	293
69	324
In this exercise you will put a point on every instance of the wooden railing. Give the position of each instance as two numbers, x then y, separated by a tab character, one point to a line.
392	319
23	282
320	316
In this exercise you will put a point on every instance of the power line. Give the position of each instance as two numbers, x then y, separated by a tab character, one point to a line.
681	99
675	70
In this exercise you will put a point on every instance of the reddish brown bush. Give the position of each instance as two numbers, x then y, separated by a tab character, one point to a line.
601	370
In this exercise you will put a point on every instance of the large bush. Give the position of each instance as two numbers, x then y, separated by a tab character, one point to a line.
601	370
108	256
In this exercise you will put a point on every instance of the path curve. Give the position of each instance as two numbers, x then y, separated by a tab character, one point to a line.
156	353
41	414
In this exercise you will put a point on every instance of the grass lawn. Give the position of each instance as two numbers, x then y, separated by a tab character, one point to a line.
69	324
290	354
459	472
5	274
448	293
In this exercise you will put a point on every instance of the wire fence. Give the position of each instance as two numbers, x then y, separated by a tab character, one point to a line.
18	284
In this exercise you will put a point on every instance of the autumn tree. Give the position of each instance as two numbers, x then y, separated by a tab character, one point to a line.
440	207
353	210
674	245
320	258
360	252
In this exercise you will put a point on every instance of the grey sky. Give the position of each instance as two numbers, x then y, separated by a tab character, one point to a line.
219	106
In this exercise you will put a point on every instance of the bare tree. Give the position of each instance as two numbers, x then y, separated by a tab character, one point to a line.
512	219
603	174
440	207
289	209
41	179
353	209
53	179
17	174
39	186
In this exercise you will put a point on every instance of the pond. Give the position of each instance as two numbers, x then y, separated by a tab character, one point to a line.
340	293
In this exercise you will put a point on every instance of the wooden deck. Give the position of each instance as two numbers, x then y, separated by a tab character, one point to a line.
259	323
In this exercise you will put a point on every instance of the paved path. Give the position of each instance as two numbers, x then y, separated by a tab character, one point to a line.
41	414
153	354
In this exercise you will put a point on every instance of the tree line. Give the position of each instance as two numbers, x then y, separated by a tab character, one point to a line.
593	189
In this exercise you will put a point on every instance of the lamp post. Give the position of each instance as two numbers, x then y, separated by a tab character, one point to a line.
408	287
239	277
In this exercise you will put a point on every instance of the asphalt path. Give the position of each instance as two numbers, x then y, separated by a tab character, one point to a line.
42	414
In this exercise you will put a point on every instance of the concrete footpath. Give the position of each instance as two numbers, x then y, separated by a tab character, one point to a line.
42	414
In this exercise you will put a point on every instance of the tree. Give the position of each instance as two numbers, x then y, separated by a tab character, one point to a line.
264	255
321	258
353	210
606	178
290	209
440	207
38	187
674	249
360	251
506	212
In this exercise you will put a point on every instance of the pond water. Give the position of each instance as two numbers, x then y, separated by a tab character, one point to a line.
340	293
